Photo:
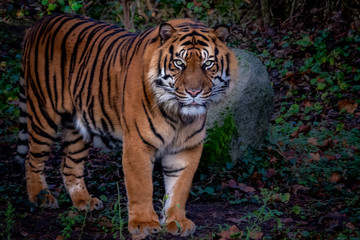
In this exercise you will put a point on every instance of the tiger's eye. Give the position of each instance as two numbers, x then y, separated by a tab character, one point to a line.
208	63
179	62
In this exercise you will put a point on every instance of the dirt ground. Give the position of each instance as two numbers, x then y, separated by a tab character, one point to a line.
37	223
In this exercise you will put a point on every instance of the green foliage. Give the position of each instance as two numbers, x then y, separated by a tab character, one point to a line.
252	161
116	215
327	66
216	145
9	221
69	220
264	214
61	6
9	85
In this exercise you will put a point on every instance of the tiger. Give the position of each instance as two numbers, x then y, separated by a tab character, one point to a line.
148	93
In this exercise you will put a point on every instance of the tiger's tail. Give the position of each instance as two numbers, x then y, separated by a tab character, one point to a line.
22	145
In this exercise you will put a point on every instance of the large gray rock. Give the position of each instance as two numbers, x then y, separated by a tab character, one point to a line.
251	103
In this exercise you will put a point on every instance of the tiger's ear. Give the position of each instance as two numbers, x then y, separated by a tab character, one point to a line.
165	31
222	32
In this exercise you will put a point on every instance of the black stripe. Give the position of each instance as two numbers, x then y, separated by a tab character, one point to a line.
40	132
37	141
31	165
22	142
70	174
90	36
154	40
216	52
197	131
186	148
142	37
91	112
44	114
95	60
228	64
130	43
172	172
143	140
193	25
79	40
40	154
186	43
159	68
47	74
68	143
66	166
202	43
85	148
193	33
61	23
167	118
145	93
158	135
77	160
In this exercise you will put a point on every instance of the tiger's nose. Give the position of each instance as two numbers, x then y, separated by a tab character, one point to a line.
193	92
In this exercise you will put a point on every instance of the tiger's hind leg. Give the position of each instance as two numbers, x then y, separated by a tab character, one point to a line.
72	167
41	137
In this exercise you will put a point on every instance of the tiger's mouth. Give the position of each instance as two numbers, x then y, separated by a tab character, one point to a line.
192	109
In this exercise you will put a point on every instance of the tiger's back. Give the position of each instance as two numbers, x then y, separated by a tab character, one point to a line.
71	62
105	85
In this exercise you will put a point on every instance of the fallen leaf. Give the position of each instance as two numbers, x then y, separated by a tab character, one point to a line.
232	184
330	157
328	143
256	235
295	134
246	188
304	128
349	105
335	177
235	185
312	141
270	173
23	233
234	229
307	104
286	220
298	187
334	219
236	220
351	226
226	235
105	222
274	160
315	156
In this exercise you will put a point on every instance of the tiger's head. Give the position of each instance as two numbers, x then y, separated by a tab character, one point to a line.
192	67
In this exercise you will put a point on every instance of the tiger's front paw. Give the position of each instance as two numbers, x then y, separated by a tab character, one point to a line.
139	229
183	227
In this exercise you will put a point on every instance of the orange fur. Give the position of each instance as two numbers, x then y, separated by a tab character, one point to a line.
105	85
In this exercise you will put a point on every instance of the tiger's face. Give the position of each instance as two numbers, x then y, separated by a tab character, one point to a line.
192	69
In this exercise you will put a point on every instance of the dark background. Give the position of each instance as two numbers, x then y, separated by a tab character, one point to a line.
303	183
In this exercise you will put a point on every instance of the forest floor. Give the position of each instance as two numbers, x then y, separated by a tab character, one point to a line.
304	183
